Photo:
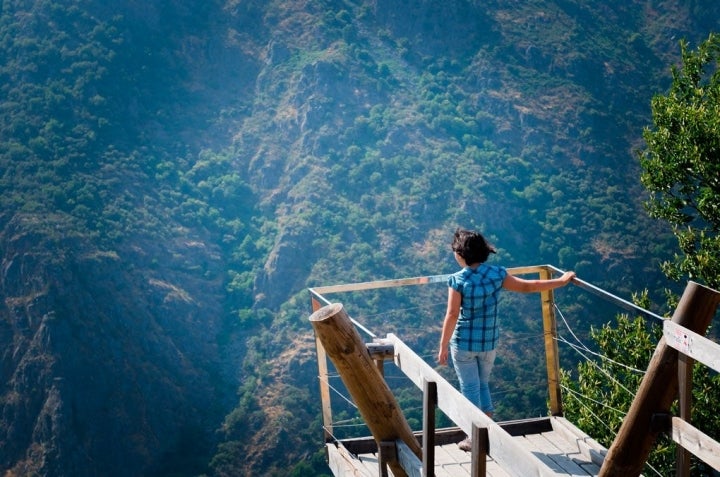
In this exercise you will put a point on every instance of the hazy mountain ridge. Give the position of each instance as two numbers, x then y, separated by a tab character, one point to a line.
175	175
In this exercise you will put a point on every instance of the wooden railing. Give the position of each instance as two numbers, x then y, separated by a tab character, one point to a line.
649	412
691	346
318	299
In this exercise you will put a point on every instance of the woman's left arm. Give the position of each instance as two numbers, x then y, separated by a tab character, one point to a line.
451	317
521	285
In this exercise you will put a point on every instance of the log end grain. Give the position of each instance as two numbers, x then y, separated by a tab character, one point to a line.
326	312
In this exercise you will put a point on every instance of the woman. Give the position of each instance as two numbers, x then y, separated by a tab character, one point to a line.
470	329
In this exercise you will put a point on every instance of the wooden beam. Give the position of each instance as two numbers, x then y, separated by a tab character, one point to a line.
409	462
381	284
552	359
658	389
700	444
685	378
323	377
428	446
692	344
342	462
367	445
521	427
375	401
480	449
509	453
388	457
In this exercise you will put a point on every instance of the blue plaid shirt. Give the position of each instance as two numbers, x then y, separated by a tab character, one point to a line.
477	327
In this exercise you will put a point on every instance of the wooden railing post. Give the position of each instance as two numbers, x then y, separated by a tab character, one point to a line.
685	377
552	359
374	399
430	400
323	377
480	450
658	389
387	456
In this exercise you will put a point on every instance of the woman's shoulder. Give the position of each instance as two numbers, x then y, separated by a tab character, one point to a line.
460	276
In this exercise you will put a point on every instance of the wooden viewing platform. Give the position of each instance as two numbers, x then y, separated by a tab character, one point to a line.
555	442
542	447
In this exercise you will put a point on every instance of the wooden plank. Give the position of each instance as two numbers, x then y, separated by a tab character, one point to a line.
360	445
480	447
572	451
342	462
450	461
428	444
522	427
495	470
685	382
323	375
697	442
322	361
380	284
554	458
552	360
370	463
569	449
408	460
399	282
367	445
587	446
692	344
507	452
446	461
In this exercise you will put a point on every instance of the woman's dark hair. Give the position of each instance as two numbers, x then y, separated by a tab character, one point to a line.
471	246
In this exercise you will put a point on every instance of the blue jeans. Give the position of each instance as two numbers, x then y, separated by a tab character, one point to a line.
473	370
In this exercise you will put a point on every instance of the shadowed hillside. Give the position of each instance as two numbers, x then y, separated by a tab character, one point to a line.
176	174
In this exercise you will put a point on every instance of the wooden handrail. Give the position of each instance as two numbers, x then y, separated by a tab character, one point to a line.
658	389
691	347
692	344
453	403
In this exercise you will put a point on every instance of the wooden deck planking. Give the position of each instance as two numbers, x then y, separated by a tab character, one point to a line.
552	456
563	450
449	462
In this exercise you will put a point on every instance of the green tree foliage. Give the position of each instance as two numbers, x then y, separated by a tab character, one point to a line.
681	170
258	147
681	164
599	397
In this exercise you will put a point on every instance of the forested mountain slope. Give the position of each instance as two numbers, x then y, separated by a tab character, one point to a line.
176	173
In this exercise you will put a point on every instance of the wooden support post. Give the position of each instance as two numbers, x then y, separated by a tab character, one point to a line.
480	450
380	366
387	456
685	377
629	451
380	351
376	403
552	359
430	400
323	377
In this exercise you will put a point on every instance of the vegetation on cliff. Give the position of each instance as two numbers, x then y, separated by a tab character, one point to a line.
175	174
